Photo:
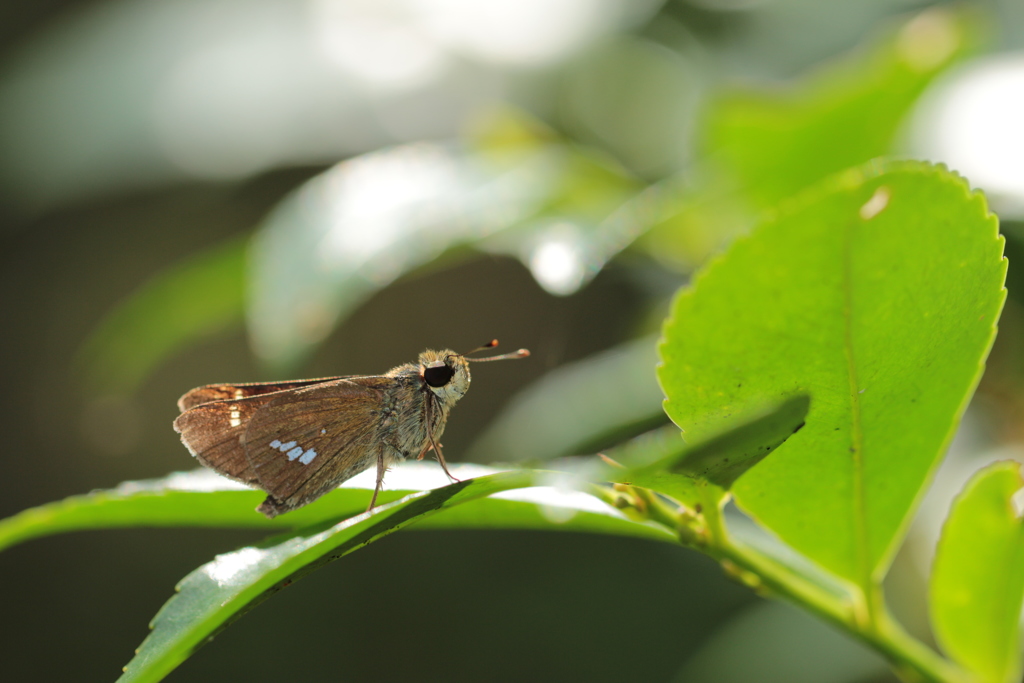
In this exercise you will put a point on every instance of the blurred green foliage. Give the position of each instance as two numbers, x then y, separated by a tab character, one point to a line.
189	302
773	143
514	186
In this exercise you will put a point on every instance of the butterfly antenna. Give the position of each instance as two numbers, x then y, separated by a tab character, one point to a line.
521	353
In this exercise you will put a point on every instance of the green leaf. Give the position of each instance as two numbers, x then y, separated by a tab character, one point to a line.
202	498
877	293
193	299
498	513
977	584
222	590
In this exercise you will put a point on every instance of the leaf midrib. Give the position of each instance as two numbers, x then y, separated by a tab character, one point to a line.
862	546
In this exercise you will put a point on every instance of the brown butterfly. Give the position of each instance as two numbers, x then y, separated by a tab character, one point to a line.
298	440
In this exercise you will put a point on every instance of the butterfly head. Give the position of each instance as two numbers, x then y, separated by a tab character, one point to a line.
445	373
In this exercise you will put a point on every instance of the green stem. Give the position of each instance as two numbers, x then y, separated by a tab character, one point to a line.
911	659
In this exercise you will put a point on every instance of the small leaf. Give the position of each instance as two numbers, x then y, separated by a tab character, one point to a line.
725	458
977	584
877	293
647	461
677	469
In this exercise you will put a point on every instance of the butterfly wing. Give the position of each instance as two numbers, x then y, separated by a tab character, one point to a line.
213	433
227	392
303	443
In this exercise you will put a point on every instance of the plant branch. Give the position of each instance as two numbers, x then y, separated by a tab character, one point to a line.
912	660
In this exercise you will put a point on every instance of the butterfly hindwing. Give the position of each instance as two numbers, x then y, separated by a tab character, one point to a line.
305	442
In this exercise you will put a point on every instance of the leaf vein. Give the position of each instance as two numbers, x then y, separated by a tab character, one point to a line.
862	546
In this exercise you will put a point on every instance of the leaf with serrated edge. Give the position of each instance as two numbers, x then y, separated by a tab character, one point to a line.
876	292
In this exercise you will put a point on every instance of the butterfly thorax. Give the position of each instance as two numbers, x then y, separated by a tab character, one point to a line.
412	399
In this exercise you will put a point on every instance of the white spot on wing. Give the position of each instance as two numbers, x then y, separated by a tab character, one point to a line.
236	417
286	446
295	452
307	457
275	444
323	431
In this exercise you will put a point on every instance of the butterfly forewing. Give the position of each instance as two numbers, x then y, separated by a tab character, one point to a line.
302	443
227	392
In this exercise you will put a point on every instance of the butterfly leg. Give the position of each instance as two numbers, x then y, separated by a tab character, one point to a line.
431	441
381	469
440	457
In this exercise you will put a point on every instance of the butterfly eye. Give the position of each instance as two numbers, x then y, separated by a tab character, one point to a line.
438	375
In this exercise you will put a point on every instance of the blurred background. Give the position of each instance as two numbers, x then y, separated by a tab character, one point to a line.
200	191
